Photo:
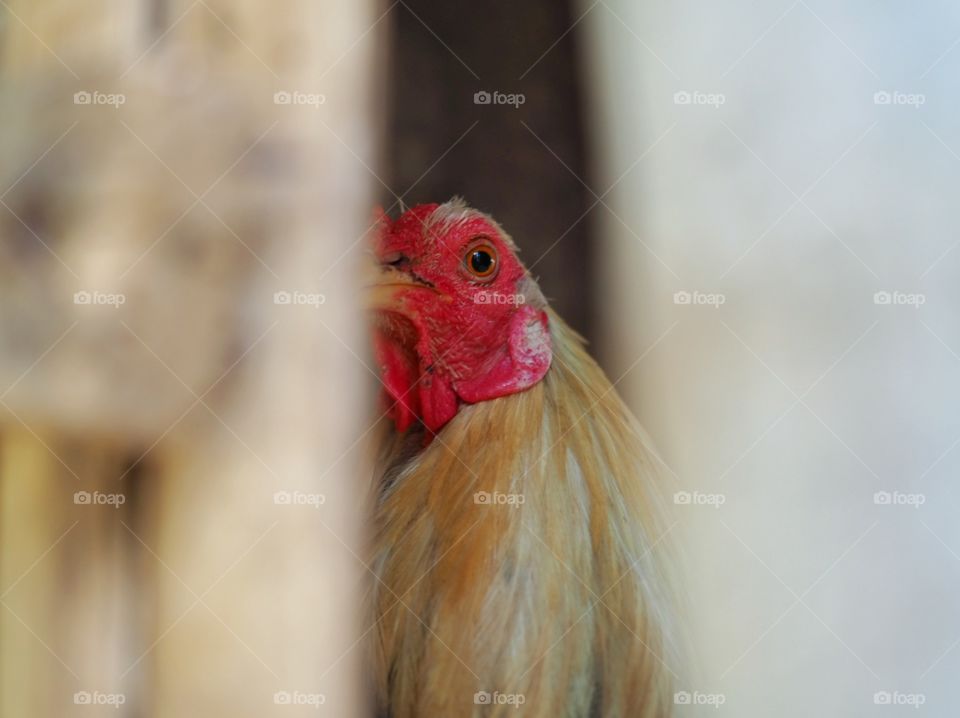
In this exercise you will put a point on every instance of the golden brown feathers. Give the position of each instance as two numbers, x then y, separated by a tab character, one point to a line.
518	558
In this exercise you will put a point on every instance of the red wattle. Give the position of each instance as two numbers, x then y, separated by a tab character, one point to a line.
399	373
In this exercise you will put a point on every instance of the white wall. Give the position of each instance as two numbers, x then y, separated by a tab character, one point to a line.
798	398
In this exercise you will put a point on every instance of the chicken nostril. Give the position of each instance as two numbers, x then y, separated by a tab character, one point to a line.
397	260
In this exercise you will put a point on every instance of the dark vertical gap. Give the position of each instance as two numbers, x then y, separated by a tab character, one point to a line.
500	167
140	588
158	17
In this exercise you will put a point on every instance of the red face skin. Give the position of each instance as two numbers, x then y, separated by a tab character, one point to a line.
444	335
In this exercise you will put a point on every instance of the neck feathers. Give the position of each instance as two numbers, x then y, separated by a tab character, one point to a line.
519	552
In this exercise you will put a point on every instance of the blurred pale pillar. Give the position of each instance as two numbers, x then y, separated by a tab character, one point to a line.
220	199
771	167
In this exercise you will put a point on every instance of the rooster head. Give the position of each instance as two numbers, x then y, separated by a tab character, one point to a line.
457	317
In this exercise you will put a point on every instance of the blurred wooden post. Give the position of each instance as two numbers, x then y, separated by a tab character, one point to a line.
199	400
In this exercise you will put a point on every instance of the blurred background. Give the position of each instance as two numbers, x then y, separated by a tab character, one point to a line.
744	207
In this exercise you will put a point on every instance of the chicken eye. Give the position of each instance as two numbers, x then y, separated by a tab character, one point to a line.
481	261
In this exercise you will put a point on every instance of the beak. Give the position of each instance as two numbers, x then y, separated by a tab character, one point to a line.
389	290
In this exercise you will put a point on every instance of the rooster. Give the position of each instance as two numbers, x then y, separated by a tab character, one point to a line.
516	517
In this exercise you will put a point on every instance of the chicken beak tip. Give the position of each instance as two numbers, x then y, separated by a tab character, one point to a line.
382	296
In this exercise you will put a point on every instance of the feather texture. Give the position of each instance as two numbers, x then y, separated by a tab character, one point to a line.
519	559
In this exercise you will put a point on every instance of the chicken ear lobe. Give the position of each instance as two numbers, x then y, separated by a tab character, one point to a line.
516	365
